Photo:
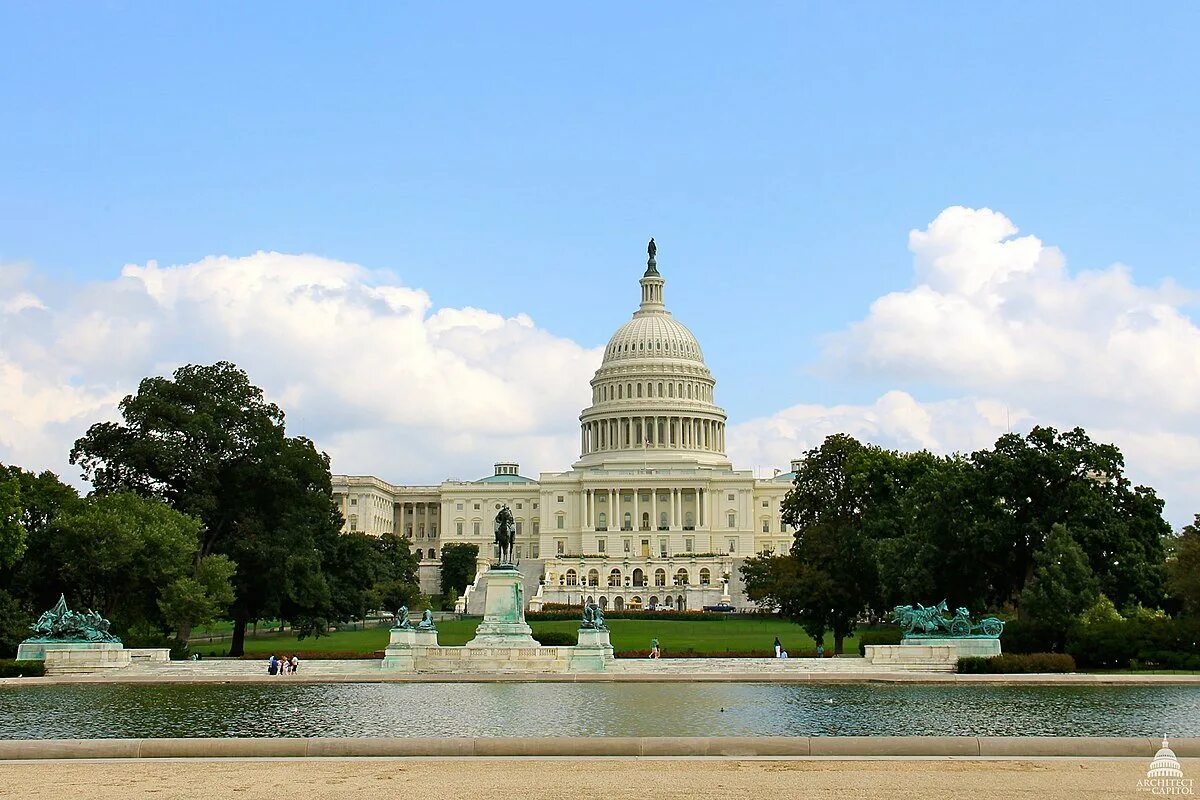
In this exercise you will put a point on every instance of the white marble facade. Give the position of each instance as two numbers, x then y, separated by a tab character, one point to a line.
652	513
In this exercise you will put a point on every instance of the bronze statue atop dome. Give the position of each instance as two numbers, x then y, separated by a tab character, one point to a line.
652	249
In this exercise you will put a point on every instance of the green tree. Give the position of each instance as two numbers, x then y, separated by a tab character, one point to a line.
1063	585
207	442
783	585
12	532
1183	568
199	598
833	502
130	557
458	568
1028	484
396	583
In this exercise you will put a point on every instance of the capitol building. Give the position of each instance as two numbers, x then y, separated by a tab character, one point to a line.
652	515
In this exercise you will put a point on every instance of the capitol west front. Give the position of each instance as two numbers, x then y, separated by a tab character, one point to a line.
652	515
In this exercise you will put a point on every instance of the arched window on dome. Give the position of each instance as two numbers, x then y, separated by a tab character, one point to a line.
670	390
689	391
629	390
620	393
681	390
639	390
660	389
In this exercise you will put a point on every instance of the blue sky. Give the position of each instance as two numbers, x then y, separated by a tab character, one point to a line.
515	158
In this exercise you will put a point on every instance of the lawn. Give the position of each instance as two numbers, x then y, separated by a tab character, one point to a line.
702	636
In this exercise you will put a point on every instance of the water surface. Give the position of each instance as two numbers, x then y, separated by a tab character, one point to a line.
549	709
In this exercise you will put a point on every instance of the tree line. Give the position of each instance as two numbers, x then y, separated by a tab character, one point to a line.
1040	527
202	508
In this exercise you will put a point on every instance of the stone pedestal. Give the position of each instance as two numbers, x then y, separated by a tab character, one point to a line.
594	651
504	611
985	648
99	651
402	650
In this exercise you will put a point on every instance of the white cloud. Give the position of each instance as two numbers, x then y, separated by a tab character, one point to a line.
997	322
360	364
994	326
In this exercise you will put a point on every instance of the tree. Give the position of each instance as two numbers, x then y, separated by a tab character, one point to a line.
12	532
1028	484
207	442
133	559
831	507
458	568
783	585
396	583
1183	568
1063	585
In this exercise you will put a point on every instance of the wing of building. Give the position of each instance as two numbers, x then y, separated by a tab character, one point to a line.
652	514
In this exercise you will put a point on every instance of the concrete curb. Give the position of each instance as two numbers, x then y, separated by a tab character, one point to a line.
1014	747
314	676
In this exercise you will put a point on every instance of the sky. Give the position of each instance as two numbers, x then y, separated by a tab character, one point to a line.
417	226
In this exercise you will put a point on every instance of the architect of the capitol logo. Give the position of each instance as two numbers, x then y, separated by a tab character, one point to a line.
1165	776
651	516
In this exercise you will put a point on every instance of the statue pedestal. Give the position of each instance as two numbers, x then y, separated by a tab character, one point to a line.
504	611
982	647
99	651
401	653
593	652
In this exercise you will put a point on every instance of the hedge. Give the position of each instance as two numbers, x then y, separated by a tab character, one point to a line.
21	669
881	636
1010	663
675	616
1137	643
556	638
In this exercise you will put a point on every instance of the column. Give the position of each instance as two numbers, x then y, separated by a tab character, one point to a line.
582	509
671	519
654	509
637	518
700	515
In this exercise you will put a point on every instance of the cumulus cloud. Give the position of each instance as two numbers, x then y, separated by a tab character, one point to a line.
364	366
995	333
998	323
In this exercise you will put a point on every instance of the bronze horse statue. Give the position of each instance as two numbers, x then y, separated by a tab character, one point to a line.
506	536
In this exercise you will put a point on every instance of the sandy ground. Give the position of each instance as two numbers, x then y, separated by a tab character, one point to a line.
551	779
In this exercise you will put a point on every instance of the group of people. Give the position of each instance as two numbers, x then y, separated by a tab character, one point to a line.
282	666
781	653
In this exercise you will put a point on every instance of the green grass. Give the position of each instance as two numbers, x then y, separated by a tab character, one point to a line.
702	636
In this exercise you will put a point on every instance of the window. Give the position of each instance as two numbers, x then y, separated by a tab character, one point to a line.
705	577
627	545
560	498
518	527
689	522
353	501
766	525
660	577
602	521
601	545
476	528
733	545
628	526
459	507
614	579
477	506
662	521
354	522
572	578
662	547
535	506
730	495
766	504
681	577
689	545
593	577
559	522
560	546
733	520
537	550
458	529
535	527
518	506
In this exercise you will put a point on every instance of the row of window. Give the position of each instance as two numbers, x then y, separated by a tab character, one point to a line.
672	346
630	390
637	578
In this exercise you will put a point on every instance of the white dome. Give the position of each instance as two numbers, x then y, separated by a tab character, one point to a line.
653	335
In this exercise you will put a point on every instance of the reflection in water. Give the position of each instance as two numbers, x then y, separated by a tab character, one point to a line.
548	709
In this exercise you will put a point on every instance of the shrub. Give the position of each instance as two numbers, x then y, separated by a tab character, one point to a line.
1011	663
1150	640
556	638
881	636
18	669
575	613
1024	636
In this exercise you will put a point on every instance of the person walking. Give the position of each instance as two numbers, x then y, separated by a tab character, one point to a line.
272	665
820	650
295	664
778	647
654	651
